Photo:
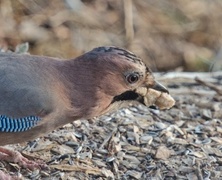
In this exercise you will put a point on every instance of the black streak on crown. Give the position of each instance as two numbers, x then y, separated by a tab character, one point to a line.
127	54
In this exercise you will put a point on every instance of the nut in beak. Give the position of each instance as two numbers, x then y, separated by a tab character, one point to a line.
157	95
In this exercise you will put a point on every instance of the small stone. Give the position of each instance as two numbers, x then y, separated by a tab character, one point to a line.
162	153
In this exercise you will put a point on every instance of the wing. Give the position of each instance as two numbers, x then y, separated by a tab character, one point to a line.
8	124
24	97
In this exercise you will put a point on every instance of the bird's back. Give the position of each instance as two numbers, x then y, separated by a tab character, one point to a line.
23	85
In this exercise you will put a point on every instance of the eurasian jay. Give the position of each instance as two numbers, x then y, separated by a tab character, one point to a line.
39	94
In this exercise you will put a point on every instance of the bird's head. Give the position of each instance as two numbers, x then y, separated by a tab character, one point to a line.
115	77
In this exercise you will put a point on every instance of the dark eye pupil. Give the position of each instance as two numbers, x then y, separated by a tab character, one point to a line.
132	78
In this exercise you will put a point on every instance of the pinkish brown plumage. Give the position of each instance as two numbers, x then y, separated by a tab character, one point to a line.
57	92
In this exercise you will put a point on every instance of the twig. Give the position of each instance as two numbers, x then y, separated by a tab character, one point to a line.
210	85
198	171
108	138
128	13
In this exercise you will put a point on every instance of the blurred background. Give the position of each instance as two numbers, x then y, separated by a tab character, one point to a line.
169	35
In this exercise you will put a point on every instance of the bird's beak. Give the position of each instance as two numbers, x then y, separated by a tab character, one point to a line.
142	91
155	94
159	87
148	95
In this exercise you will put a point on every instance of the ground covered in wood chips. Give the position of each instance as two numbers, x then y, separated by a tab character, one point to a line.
184	142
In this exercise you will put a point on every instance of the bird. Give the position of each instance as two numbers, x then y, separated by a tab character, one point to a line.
39	94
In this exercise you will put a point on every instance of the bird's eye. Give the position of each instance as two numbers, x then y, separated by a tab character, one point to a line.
132	78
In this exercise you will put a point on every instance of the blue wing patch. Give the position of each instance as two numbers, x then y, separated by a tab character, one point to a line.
8	124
